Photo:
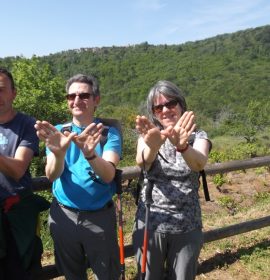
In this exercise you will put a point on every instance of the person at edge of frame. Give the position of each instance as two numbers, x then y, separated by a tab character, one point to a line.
20	245
173	165
82	217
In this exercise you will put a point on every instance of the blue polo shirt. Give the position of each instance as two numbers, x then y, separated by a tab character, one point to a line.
78	186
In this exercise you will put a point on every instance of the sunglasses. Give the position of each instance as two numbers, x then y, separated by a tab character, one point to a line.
169	105
82	96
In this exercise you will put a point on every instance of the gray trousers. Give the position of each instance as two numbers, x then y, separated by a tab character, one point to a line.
83	239
173	255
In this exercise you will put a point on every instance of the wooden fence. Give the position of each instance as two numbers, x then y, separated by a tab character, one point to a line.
129	173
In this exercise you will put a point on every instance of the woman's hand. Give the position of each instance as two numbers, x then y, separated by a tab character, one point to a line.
182	130
152	135
150	141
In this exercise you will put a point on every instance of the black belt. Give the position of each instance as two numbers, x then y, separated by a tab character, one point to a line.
108	205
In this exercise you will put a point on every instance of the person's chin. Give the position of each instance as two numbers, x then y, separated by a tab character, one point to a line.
77	112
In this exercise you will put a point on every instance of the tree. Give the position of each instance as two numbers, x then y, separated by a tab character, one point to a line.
252	121
41	95
39	92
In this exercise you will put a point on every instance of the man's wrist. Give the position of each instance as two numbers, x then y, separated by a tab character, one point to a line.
90	157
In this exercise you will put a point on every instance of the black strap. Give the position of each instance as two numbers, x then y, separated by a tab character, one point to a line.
118	181
205	186
163	157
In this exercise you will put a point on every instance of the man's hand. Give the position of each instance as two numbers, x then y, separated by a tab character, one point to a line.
89	138
56	141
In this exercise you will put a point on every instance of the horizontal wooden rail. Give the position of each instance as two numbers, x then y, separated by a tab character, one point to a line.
221	233
132	172
50	271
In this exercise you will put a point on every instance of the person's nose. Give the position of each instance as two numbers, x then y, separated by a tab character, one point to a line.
77	99
165	109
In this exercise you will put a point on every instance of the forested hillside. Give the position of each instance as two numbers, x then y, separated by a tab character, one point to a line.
224	72
226	80
227	71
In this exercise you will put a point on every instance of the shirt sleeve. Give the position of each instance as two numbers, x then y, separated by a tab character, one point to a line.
114	141
29	138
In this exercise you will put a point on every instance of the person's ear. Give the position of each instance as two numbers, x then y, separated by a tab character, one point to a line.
14	93
96	100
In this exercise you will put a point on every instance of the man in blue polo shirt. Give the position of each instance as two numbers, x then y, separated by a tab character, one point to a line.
82	165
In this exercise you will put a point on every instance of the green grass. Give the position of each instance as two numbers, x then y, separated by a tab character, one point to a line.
256	258
225	143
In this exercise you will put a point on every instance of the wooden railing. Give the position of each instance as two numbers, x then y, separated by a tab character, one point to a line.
132	172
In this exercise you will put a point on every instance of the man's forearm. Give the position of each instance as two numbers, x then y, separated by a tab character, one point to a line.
104	169
54	167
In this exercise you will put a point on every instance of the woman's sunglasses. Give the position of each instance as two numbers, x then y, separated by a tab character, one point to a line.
82	96
170	105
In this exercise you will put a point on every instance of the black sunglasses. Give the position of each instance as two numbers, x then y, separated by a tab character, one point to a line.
82	96
170	105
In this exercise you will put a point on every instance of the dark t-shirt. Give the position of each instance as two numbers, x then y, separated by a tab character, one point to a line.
20	131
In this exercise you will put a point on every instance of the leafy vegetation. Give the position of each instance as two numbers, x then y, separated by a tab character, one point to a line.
225	81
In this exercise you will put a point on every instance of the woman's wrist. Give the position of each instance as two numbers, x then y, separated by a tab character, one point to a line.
183	148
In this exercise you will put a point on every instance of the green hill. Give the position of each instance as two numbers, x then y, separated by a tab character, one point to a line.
226	80
227	71
221	76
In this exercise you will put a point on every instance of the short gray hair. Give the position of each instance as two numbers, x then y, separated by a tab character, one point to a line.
86	79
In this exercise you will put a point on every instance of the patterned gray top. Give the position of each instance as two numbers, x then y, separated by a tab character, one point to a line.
176	206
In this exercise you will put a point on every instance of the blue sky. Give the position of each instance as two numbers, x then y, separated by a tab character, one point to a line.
35	27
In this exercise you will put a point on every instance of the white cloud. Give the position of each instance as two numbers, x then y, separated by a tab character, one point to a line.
208	19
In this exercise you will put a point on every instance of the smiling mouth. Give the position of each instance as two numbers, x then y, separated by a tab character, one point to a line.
171	117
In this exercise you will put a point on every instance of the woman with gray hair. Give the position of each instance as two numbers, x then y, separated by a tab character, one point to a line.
172	152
